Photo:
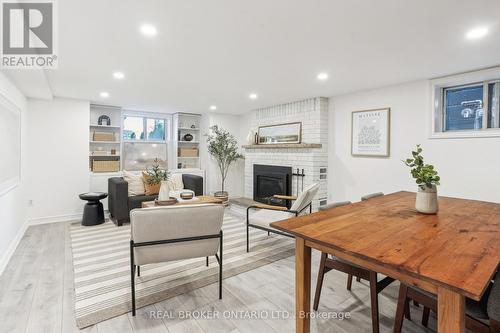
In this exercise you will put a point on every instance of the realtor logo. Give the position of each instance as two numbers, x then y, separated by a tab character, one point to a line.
28	34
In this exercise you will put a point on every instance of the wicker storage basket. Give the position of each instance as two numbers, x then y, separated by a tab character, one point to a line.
104	136
188	152
105	166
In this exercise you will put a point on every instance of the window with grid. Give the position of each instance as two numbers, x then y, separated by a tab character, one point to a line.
144	139
468	107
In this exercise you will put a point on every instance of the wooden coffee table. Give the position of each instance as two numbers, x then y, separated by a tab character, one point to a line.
202	199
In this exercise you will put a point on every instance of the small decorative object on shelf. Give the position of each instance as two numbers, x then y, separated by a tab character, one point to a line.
188	137
179	165
427	180
186	195
113	151
104	120
256	139
193	126
251	137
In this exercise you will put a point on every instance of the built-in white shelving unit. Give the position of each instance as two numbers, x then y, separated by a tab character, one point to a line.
186	152
104	139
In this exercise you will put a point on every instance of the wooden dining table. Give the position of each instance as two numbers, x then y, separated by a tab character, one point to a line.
453	254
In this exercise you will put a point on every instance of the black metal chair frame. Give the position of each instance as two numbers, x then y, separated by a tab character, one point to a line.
170	241
296	212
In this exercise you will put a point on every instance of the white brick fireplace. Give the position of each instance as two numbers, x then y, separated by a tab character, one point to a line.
313	113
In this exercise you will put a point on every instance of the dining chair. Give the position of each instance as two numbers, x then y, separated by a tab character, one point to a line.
162	234
333	263
269	213
480	317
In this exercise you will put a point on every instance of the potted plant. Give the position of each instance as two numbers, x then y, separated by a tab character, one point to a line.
427	180
223	147
156	178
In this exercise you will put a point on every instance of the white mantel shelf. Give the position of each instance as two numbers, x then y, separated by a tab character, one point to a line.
284	146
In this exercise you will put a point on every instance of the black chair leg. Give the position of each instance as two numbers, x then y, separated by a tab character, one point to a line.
132	275
374	301
207	261
248	239
358	279
319	283
349	281
220	267
138	270
425	316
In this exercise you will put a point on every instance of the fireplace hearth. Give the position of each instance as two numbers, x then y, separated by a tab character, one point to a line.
269	180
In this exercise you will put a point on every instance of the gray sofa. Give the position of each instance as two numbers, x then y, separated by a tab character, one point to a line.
120	204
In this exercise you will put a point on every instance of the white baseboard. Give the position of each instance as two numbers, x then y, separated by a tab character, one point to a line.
55	219
4	260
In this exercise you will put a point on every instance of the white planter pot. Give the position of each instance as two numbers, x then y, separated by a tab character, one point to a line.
164	193
427	200
251	137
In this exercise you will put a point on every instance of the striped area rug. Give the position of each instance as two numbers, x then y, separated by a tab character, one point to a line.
102	268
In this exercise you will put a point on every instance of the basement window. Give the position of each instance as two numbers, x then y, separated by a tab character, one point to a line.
467	107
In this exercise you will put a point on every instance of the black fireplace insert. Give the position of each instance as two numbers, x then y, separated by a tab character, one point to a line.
269	180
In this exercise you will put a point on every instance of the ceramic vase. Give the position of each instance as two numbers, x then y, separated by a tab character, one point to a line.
164	193
251	137
427	200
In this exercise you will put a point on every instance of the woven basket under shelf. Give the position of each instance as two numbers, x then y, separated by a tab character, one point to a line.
105	166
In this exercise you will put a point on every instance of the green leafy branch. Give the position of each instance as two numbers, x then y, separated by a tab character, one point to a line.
156	174
424	174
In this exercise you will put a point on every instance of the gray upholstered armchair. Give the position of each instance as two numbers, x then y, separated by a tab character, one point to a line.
162	234
268	213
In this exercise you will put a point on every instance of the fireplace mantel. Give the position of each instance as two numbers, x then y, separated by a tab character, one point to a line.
284	146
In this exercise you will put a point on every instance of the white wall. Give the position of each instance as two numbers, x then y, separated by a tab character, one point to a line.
57	141
235	178
469	168
13	203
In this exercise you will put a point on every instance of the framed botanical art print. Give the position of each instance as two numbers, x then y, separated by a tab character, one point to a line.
282	133
370	134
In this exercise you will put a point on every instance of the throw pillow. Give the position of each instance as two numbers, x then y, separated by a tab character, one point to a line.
135	183
150	189
176	182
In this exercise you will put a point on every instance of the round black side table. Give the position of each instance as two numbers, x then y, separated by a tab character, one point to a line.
93	212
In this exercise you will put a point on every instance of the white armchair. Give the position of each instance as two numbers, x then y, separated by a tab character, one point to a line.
162	234
268	213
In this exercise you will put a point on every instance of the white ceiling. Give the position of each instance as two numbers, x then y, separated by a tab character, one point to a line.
219	51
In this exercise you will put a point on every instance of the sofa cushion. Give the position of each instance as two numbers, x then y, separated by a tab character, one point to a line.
135	183
150	189
176	183
137	200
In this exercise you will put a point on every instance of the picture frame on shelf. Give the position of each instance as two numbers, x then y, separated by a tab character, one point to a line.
370	133
280	133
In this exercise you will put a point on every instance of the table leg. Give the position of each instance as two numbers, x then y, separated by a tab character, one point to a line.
302	286
451	311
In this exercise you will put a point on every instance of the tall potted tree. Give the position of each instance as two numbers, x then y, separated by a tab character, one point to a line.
223	147
427	180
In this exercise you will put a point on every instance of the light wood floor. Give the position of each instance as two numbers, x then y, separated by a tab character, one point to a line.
36	295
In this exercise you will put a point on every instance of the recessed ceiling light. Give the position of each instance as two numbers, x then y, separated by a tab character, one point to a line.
104	94
253	96
118	75
213	107
477	33
322	76
148	30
